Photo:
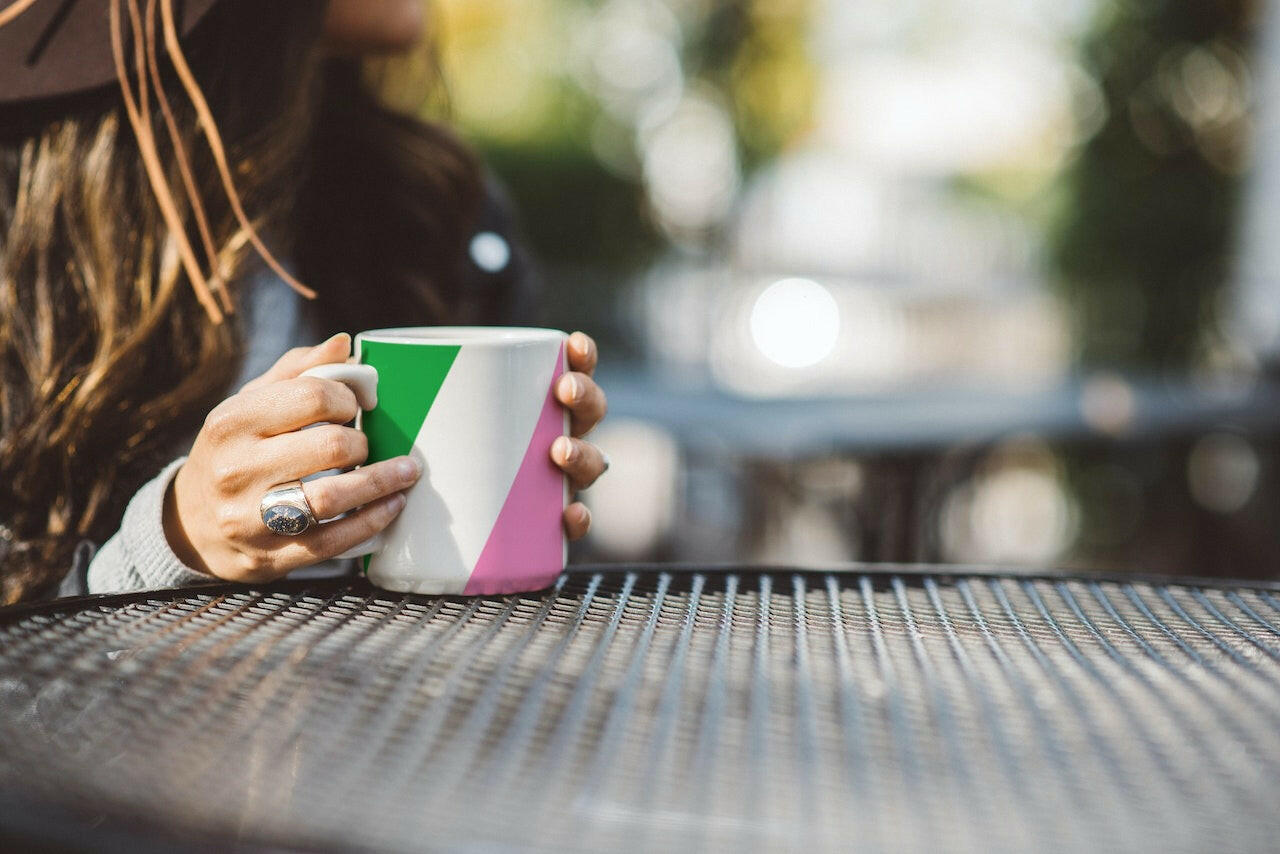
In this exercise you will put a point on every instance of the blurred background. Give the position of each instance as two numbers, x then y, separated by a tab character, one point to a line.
979	281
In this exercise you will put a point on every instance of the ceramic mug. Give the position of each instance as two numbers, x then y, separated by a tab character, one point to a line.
476	406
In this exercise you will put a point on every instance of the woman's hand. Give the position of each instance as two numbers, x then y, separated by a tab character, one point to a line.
252	442
582	461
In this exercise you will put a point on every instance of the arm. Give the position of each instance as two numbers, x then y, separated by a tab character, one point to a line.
139	557
250	442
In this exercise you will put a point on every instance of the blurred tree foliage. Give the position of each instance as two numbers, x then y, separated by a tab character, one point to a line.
756	51
1143	241
519	94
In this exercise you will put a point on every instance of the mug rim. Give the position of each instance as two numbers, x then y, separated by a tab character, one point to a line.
470	336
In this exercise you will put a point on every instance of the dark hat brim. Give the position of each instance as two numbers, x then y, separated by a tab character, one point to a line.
63	47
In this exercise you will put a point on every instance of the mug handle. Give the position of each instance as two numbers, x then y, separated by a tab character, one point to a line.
363	382
361	379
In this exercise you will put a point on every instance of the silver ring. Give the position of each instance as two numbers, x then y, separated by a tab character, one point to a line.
286	511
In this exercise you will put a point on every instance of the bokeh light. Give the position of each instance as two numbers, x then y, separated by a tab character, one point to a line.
1107	403
1015	510
795	323
1222	472
634	508
690	165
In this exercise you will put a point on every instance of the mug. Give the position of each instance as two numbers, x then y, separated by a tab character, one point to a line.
475	406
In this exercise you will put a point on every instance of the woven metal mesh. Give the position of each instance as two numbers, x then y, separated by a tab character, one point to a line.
650	710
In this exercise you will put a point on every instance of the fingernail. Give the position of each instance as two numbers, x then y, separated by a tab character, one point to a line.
397	502
578	341
326	342
409	469
565	449
585	516
575	387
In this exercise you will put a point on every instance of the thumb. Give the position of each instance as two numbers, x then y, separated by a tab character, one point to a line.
299	359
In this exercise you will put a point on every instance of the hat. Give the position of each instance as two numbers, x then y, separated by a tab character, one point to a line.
62	47
56	48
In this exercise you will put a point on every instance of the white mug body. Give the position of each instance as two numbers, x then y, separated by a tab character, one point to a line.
476	406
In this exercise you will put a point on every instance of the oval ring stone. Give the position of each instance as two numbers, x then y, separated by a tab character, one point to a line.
285	519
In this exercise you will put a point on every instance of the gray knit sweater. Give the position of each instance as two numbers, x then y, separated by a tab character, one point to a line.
138	557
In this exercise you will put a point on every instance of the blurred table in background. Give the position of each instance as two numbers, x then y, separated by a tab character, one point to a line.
704	418
897	474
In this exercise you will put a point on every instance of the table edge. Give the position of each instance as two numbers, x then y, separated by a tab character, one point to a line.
878	570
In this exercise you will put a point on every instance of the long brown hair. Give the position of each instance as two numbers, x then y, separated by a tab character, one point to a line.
410	195
107	357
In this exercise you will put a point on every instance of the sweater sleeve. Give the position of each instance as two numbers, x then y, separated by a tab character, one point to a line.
138	557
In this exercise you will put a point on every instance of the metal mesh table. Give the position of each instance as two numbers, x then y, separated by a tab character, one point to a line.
641	708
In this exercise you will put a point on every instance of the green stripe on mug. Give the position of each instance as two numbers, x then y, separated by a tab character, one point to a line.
410	380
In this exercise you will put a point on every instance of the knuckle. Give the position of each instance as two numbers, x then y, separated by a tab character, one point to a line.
326	543
320	496
313	395
228	477
257	566
337	449
373	519
380	481
327	399
315	551
266	566
227	520
220	422
346	405
255	570
331	543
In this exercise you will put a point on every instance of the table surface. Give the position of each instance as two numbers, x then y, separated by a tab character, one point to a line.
866	708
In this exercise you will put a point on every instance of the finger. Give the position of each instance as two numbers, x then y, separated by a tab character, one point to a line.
332	496
582	352
289	405
582	461
292	456
333	538
584	399
577	520
300	359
